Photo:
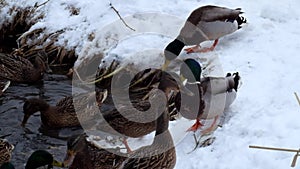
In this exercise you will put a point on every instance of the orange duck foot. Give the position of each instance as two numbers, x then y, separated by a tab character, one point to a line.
198	49
193	49
127	146
212	127
196	126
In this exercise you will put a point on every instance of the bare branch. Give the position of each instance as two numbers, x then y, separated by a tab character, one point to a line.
117	12
37	6
281	149
297	98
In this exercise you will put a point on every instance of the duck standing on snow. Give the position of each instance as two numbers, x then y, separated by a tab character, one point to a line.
161	153
204	23
215	94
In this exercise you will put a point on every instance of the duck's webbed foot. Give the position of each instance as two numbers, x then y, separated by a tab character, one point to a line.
193	49
212	127
199	49
195	126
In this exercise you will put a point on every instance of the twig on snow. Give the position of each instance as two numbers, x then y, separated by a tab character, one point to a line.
297	98
117	12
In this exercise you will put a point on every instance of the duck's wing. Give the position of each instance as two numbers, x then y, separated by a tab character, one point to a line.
66	104
12	67
213	13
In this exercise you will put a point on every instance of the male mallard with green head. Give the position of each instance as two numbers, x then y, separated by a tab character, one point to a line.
21	70
39	158
215	95
7	165
204	23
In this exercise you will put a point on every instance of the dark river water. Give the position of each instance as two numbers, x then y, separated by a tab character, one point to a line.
28	139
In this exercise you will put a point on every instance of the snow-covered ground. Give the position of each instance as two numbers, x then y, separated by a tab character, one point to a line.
265	52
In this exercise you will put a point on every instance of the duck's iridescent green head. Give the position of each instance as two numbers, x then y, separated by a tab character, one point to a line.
7	165
41	158
191	70
173	49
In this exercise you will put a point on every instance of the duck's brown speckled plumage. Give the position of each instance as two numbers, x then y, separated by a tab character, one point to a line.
123	125
5	151
21	70
116	120
160	154
88	156
63	114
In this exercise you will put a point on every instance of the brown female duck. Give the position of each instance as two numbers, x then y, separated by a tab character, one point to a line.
204	23
63	114
83	154
20	70
136	119
161	153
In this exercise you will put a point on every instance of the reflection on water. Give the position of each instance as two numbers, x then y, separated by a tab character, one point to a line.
26	140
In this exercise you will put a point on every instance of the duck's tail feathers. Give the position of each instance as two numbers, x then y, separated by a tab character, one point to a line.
240	20
236	80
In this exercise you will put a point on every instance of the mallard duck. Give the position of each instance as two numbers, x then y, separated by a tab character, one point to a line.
5	151
21	70
84	154
63	114
7	165
41	158
191	107
161	153
204	23
3	86
37	159
131	116
215	95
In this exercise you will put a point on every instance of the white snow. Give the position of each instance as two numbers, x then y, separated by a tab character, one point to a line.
265	52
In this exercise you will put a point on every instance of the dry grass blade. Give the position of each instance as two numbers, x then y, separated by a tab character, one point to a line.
143	77
281	149
295	159
107	76
44	3
297	98
274	148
